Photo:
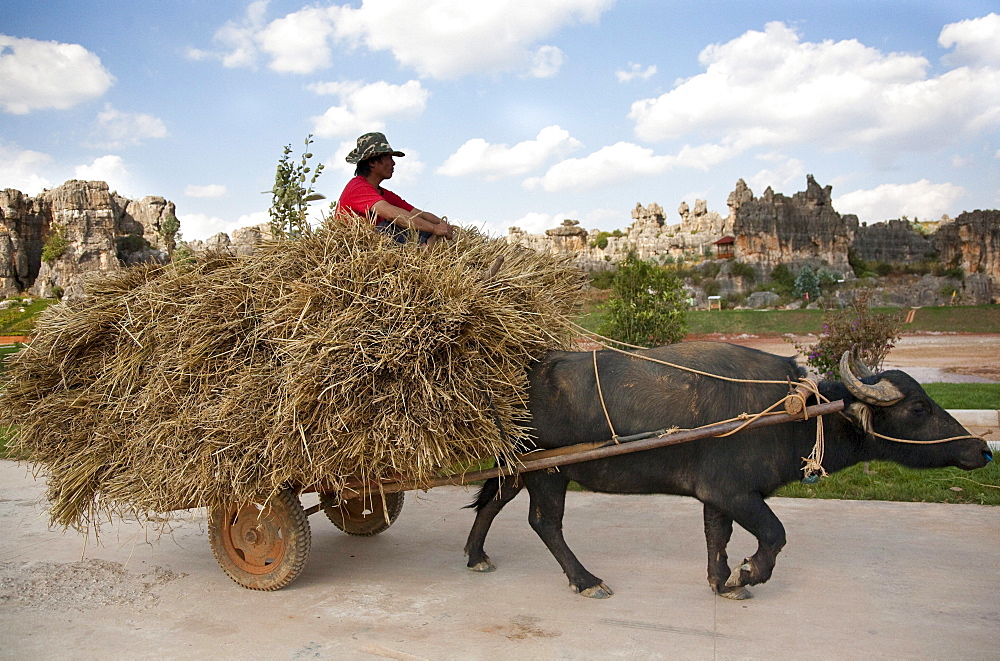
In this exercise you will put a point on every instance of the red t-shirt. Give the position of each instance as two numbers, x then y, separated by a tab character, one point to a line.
360	196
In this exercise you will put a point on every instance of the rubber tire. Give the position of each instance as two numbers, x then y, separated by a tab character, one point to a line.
277	533
360	518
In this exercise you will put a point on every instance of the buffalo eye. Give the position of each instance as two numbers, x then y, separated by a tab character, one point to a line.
920	409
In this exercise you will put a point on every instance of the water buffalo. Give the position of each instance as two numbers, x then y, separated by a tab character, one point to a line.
731	476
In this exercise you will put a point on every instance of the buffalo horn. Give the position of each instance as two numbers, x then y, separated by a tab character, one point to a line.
858	367
882	393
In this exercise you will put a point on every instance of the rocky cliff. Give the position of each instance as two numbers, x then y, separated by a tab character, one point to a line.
801	230
972	241
767	231
243	242
50	243
894	241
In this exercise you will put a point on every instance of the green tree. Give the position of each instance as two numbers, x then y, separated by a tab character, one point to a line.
55	245
292	193
782	280
170	232
646	306
807	282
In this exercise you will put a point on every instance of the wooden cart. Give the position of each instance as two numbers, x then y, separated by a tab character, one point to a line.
264	546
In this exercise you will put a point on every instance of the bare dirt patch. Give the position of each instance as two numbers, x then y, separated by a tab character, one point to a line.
926	356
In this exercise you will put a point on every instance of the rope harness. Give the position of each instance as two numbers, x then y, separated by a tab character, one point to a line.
794	403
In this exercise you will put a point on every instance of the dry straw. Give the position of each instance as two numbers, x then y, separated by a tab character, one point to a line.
337	355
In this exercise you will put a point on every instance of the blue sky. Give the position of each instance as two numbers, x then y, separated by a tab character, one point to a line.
511	112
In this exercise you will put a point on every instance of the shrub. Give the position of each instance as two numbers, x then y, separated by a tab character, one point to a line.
783	282
735	299
955	272
826	277
742	270
646	306
601	240
871	335
807	283
602	279
169	229
291	196
862	268
710	269
55	245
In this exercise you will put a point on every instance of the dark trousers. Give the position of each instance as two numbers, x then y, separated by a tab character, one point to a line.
400	234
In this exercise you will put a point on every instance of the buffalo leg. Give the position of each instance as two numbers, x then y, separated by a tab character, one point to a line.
753	514
548	504
491	500
718	531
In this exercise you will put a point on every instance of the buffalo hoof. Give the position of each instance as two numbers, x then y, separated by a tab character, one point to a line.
736	594
599	591
483	567
737	578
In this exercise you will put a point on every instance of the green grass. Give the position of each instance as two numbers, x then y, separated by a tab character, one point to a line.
754	322
960	319
889	481
965	395
15	322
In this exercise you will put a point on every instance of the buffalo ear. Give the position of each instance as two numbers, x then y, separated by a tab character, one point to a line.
861	415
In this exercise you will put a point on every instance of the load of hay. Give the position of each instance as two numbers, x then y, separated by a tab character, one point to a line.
333	356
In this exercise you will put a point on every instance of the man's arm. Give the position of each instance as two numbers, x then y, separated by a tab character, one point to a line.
423	221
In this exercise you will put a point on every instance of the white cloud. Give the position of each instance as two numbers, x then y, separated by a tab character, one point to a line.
116	129
110	169
365	108
785	172
200	226
451	38
537	223
19	170
769	89
437	38
623	161
239	39
609	165
208	190
976	42
635	71
298	43
546	62
920	199
480	158
48	74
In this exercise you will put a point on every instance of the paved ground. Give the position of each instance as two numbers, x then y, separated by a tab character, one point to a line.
857	580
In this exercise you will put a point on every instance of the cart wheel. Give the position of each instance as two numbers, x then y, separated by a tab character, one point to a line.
363	517
261	546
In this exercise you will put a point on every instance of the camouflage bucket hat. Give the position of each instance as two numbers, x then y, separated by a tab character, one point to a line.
369	145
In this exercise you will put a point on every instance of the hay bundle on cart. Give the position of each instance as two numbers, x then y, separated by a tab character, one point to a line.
336	355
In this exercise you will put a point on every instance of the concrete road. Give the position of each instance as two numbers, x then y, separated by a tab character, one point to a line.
857	580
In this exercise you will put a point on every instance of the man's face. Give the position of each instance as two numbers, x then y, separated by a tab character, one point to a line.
383	166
